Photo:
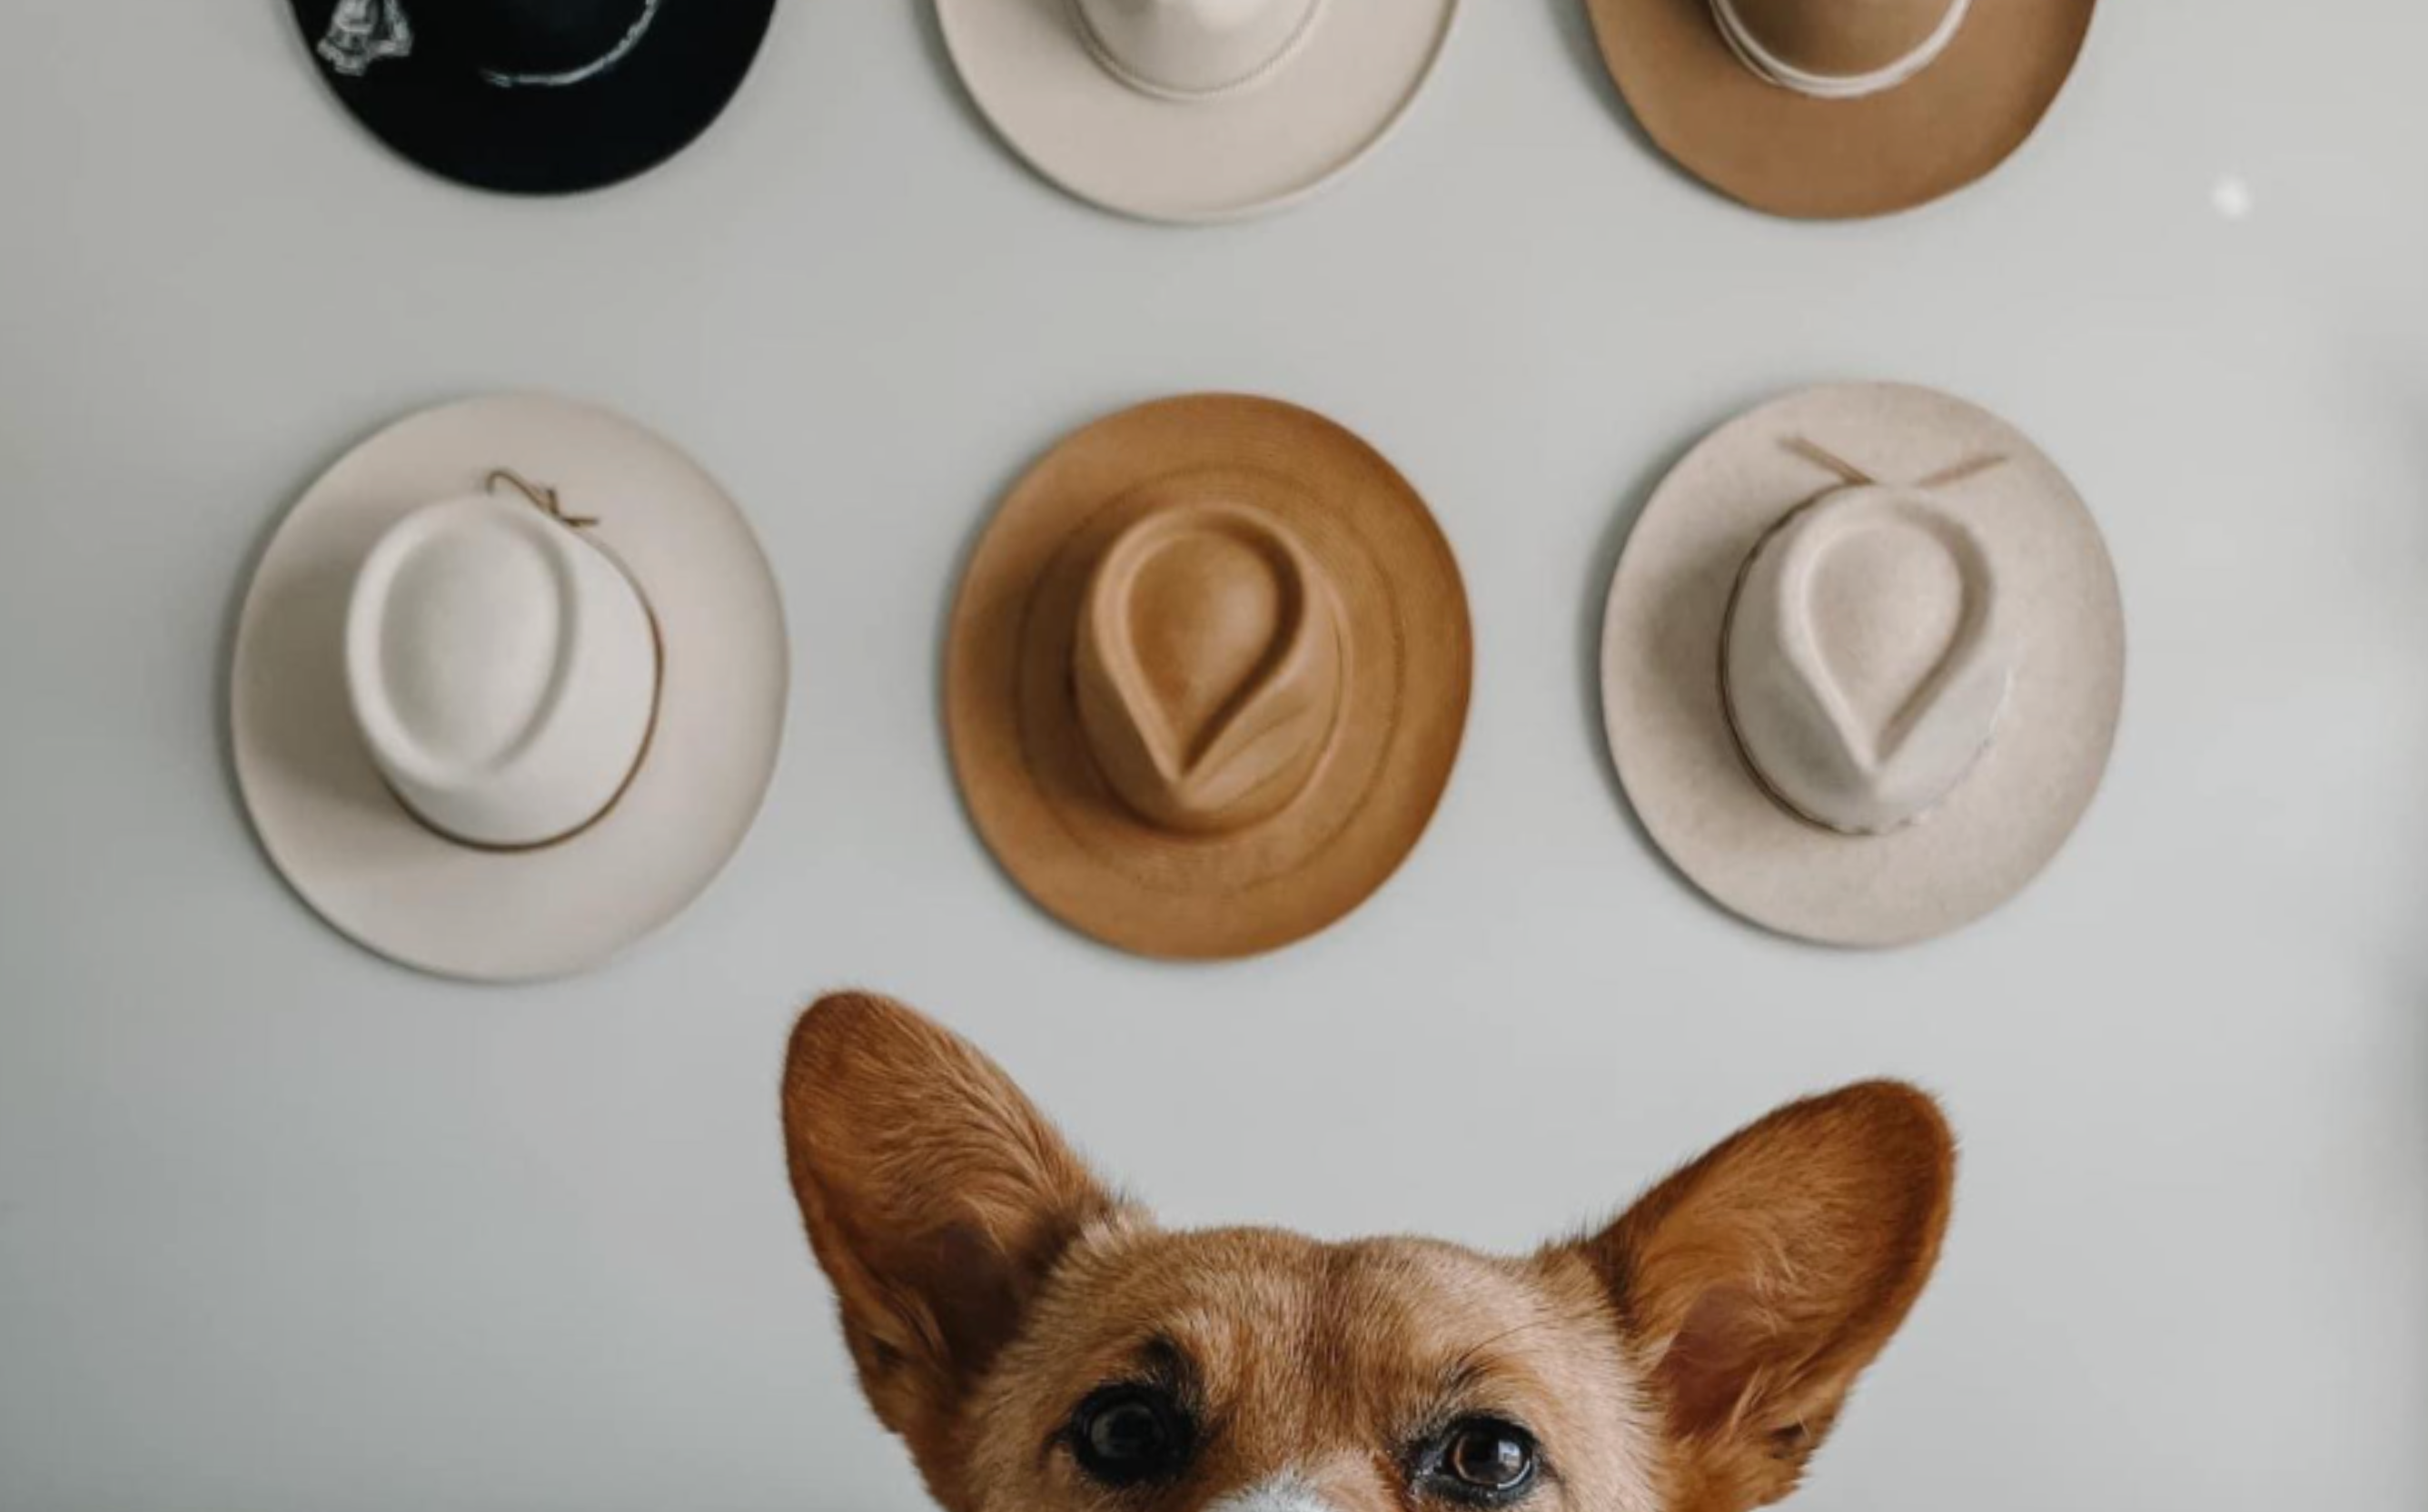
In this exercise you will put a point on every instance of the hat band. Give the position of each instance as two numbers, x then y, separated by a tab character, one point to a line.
1776	70
1101	51
364	32
589	70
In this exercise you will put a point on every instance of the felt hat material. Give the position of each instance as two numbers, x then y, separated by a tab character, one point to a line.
1869	655
1195	110
503	671
535	96
498	728
1209	667
1840	109
1863	663
1207	676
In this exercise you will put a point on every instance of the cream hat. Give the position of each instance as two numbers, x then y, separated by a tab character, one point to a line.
1191	110
497	727
1863	663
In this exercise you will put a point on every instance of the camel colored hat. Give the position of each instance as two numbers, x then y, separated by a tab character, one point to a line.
509	688
1207	676
1191	110
534	96
1863	663
1829	109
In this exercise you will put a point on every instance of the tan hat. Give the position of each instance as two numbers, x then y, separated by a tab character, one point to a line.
509	688
1195	110
1207	676
1863	663
1827	110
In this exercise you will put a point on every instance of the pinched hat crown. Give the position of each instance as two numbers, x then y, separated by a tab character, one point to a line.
1208	661
503	671
1868	658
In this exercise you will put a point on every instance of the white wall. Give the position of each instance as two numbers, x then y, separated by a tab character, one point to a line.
283	1227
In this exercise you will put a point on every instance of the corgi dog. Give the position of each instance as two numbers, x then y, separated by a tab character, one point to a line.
1042	1345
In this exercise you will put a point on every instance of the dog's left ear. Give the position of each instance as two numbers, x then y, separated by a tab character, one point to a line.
1760	1280
937	1198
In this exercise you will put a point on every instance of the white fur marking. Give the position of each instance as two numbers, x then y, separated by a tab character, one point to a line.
1288	1494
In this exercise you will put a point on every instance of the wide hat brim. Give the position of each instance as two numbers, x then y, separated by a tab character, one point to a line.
1796	156
1026	770
438	112
1670	733
1027	66
341	837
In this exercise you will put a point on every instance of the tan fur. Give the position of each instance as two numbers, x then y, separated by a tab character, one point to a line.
1688	1359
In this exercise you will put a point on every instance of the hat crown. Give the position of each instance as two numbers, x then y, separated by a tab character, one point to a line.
470	646
532	38
503	671
1193	47
1844	37
1869	658
1208	661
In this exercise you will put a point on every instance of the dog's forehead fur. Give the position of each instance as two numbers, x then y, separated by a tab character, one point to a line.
1321	1364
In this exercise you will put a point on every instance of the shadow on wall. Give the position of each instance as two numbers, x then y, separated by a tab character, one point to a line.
948	80
1575	24
1593	598
222	678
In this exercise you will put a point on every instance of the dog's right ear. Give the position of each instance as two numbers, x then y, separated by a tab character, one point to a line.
1764	1278
937	1198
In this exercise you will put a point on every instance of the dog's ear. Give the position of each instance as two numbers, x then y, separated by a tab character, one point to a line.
1760	1281
937	1199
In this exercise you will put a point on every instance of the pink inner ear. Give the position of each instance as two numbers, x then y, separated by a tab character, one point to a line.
1714	1360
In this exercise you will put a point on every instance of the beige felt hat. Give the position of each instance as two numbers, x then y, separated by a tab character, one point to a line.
1836	108
1192	111
509	688
1863	663
1207	676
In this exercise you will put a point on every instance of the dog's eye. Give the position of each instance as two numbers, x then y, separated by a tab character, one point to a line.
1491	1459
1484	1462
1129	1436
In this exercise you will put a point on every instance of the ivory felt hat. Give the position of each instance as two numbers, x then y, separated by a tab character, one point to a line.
1207	676
535	96
1193	110
1837	108
509	688
1863	663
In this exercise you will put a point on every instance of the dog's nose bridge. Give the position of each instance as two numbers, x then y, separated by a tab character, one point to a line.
1287	1494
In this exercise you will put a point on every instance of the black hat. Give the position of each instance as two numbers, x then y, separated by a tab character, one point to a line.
535	96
